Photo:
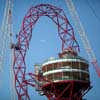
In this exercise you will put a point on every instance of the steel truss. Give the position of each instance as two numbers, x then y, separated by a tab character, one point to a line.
65	32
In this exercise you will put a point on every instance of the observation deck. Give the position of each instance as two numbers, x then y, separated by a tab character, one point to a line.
68	74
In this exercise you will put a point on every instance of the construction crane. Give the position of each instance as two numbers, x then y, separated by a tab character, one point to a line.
6	33
82	33
6	53
4	39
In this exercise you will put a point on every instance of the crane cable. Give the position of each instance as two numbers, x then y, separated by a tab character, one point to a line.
93	11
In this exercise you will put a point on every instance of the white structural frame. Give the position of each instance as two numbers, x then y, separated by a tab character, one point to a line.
63	60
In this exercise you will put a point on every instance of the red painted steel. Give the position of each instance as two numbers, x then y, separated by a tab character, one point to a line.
65	32
72	90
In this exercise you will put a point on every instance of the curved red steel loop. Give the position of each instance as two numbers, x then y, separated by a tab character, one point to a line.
65	32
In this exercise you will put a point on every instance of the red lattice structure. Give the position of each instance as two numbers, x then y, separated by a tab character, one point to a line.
66	35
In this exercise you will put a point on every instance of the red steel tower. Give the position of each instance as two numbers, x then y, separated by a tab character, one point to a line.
63	78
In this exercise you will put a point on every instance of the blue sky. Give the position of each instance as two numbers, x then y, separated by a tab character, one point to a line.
45	42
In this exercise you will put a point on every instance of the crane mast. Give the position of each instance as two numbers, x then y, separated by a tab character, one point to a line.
6	33
4	38
82	33
6	54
